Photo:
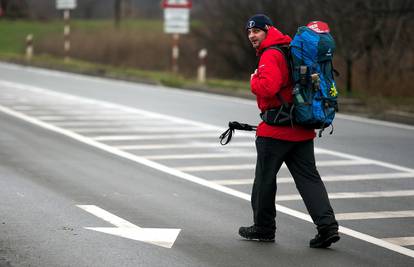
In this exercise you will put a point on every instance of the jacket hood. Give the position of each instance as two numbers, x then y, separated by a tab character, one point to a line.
274	37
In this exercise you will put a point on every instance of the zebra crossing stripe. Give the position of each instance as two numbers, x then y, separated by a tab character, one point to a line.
375	215
401	241
336	178
352	195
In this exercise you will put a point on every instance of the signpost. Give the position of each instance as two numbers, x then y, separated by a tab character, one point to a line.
176	22
66	6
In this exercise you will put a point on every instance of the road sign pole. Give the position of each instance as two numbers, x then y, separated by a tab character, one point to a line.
66	6
176	22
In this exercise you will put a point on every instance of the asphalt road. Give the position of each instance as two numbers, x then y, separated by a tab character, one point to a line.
93	172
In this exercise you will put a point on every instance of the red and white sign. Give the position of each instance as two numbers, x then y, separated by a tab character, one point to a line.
65	4
318	26
177	4
177	16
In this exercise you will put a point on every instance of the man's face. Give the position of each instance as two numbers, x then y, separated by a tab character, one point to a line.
256	36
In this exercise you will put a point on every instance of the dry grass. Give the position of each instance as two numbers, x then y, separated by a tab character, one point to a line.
147	50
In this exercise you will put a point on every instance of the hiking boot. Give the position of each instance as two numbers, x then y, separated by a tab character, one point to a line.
324	239
256	233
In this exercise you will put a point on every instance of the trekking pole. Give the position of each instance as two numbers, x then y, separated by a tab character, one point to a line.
225	137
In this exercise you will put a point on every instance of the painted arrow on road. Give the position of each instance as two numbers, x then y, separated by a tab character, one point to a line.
156	236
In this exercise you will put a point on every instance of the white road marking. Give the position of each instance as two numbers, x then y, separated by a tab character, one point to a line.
401	241
375	122
134	122
52	118
22	107
106	216
157	236
374	162
180	174
65	105
87	117
204	168
161	129
374	215
103	104
202	156
346	195
336	178
71	112
190	145
8	97
368	176
154	137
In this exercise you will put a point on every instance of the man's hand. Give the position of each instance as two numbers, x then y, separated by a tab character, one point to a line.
254	73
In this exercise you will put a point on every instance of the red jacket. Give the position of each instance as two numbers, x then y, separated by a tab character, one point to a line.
272	76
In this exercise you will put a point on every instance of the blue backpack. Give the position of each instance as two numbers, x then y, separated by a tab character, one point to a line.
315	94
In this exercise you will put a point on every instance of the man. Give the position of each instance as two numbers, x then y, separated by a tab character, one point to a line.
292	145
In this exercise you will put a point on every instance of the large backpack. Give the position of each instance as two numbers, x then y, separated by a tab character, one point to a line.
315	94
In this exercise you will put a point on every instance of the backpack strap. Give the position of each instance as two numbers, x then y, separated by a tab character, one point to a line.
284	49
283	115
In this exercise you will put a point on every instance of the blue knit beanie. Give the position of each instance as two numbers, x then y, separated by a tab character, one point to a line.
259	21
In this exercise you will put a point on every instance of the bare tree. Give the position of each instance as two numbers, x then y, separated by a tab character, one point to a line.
225	36
89	7
117	12
349	22
391	34
14	8
373	30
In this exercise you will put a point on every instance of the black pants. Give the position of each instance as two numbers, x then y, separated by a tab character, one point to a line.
300	160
